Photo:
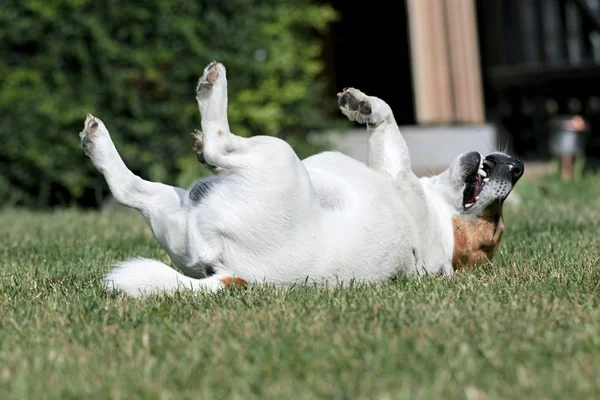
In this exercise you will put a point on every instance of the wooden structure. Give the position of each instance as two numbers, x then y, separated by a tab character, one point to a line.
540	60
514	63
445	61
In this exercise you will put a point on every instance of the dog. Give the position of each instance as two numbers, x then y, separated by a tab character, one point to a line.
265	216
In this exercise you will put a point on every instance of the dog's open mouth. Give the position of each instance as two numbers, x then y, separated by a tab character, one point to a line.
476	182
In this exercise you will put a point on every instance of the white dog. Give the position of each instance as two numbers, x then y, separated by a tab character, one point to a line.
268	217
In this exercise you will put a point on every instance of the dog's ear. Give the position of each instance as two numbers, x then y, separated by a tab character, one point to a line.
476	239
450	184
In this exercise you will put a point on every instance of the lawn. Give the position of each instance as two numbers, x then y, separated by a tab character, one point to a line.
525	326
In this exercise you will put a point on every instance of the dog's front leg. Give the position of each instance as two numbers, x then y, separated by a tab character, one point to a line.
388	153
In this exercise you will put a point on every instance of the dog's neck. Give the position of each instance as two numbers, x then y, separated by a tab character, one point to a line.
444	187
476	238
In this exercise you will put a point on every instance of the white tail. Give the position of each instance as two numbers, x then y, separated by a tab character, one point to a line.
142	276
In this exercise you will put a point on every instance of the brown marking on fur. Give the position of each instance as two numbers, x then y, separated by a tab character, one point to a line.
220	132
475	239
228	281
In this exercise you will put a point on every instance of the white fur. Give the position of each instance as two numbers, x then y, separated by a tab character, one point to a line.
142	276
269	217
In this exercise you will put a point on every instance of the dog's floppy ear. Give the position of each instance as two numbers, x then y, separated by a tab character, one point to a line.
450	184
476	239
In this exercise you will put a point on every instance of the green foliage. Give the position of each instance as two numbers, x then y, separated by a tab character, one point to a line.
134	64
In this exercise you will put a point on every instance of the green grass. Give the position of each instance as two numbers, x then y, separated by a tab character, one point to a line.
525	326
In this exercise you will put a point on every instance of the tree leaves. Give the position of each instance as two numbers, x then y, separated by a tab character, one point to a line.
135	65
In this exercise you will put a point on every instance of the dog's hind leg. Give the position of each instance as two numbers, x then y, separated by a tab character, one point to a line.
265	201
388	153
161	205
127	188
216	145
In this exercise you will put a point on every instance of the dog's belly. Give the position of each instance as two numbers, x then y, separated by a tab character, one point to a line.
369	233
355	224
357	227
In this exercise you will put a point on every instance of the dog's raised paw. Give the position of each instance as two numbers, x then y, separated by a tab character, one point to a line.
208	78
354	104
88	134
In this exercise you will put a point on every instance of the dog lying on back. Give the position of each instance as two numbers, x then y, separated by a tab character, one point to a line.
267	216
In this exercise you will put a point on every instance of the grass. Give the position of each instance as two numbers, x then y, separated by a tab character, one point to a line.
525	326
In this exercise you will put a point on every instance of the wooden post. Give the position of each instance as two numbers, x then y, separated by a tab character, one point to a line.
445	61
430	62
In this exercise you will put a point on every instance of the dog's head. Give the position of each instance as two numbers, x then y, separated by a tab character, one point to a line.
474	187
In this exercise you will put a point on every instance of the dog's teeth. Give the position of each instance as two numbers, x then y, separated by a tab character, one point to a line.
476	198
486	179
481	172
468	205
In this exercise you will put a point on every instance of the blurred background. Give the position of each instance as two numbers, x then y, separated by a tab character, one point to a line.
460	75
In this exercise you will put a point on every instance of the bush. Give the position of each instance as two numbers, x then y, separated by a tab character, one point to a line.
135	64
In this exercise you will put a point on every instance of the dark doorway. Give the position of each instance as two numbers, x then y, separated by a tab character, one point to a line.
368	48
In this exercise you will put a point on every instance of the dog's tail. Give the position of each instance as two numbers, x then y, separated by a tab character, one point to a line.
142	276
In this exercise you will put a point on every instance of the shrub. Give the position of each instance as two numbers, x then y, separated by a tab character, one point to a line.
135	64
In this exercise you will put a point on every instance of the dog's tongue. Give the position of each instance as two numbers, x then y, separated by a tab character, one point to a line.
477	185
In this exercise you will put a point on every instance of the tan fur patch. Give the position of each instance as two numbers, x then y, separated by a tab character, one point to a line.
475	239
228	281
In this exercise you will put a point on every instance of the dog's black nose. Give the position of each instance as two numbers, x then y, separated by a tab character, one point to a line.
510	168
516	168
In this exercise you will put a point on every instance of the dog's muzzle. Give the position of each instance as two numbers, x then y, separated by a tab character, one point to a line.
505	167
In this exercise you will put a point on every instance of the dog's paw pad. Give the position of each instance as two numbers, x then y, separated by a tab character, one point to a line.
352	101
208	79
213	72
89	132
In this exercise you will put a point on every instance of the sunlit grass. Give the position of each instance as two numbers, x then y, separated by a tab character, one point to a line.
525	326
